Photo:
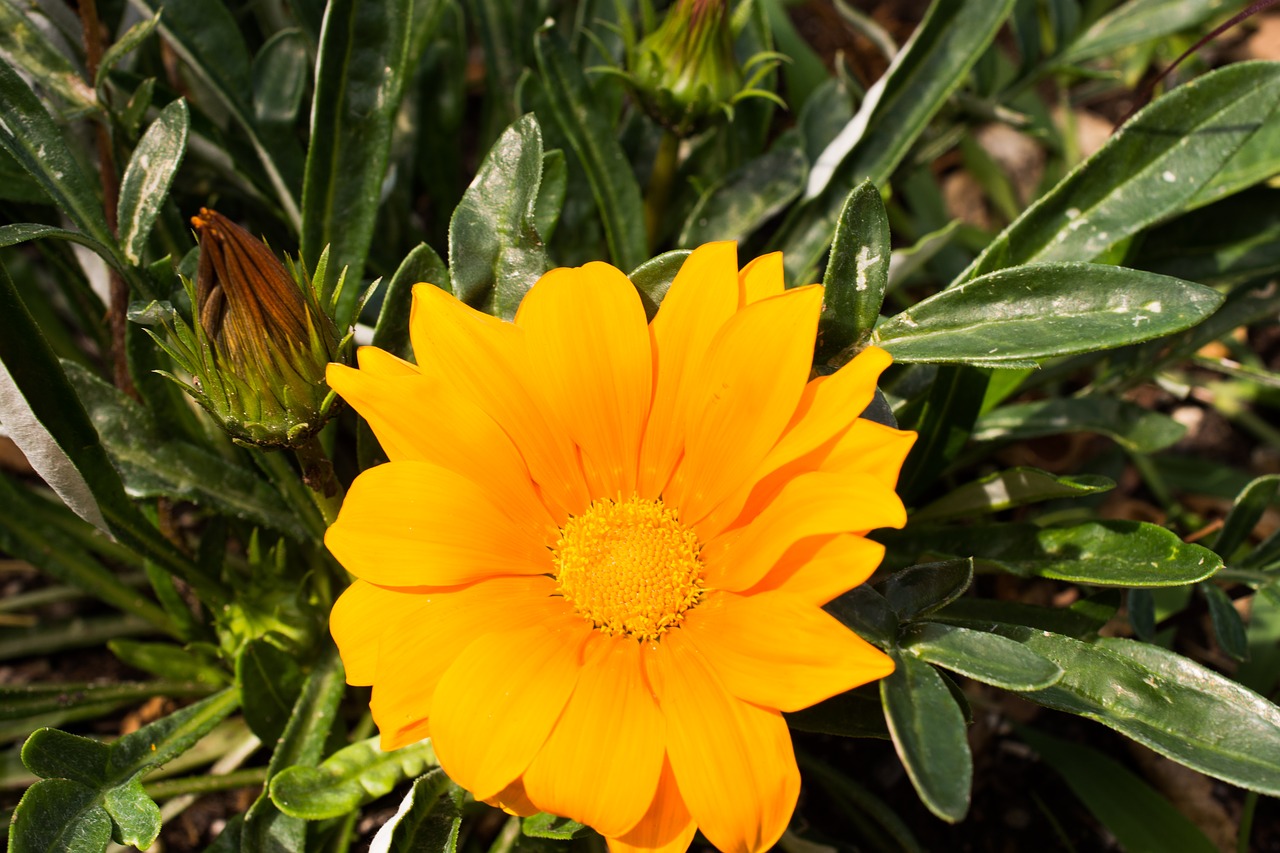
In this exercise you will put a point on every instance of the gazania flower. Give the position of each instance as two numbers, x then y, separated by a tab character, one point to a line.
593	570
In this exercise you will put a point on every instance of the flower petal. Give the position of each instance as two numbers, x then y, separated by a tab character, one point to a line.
514	800
778	651
415	650
828	408
820	568
418	418
813	504
666	827
590	358
702	297
358	619
871	448
486	359
496	704
744	396
417	524
601	764
761	278
733	761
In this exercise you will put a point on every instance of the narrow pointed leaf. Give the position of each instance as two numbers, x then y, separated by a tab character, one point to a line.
929	734
1173	705
147	179
1121	800
427	821
1148	171
1018	316
1008	489
748	197
926	71
1103	553
917	590
1245	514
989	658
1136	429
613	183
360	76
30	136
857	273
653	278
495	251
348	779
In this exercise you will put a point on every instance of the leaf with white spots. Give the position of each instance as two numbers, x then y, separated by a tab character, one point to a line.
1153	168
149	175
857	273
1015	317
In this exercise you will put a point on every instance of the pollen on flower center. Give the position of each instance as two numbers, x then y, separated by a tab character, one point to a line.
629	567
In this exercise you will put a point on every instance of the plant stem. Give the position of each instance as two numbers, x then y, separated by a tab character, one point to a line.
118	306
206	784
317	473
660	181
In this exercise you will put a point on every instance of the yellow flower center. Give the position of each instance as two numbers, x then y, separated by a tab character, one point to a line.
629	567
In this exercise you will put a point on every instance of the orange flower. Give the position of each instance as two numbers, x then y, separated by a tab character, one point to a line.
593	570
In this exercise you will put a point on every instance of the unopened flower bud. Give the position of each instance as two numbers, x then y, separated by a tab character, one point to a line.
260	340
685	72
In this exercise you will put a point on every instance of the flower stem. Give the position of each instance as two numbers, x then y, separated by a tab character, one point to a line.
660	181
207	784
317	473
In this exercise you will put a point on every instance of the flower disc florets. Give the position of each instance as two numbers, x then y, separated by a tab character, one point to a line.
629	567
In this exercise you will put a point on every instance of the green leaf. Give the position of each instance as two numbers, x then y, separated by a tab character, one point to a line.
989	658
555	182
543	825
857	273
135	815
930	67
1261	671
1103	553
56	816
348	779
26	46
169	661
917	590
943	423
123	46
1162	700
591	135
92	790
1245	514
280	76
27	534
746	198
208	39
41	410
270	683
313	716
360	76
153	465
653	278
147	179
1017	316
422	264
1010	488
1137	22
12	235
1139	818
867	613
427	821
30	136
1136	429
1228	627
495	251
855	713
929	735
981	614
1150	169
18	701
